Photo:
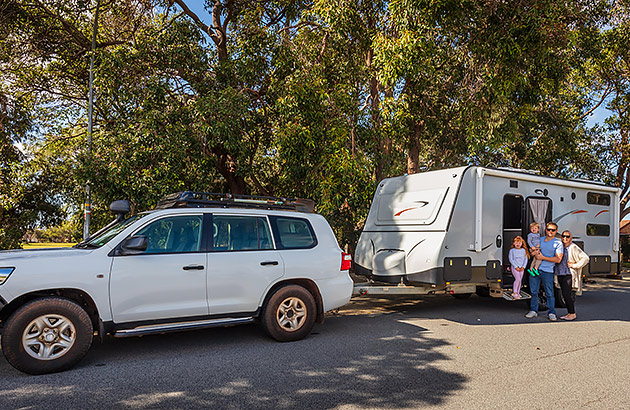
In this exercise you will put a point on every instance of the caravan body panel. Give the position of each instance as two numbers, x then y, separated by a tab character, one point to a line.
419	222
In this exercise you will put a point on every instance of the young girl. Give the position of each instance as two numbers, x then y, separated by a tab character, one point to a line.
518	257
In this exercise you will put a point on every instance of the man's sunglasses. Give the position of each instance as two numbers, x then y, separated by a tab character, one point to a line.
551	229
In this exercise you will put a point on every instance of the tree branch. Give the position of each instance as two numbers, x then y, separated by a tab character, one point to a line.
80	38
299	25
604	96
195	18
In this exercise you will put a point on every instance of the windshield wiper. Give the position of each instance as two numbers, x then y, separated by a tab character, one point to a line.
85	245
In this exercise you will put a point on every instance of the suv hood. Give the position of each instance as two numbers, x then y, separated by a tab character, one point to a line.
17	254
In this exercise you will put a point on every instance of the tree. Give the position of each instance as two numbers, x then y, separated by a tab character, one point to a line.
312	99
482	82
610	72
25	200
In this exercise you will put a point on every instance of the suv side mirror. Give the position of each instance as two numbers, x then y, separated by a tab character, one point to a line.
120	208
133	245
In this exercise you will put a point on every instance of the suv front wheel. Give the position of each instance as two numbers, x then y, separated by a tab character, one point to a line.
289	314
47	335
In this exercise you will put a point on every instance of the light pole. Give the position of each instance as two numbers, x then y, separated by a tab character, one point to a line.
87	212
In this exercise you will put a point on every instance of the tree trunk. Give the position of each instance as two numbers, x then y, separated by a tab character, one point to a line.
227	168
413	154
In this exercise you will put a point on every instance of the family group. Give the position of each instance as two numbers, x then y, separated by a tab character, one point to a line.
551	259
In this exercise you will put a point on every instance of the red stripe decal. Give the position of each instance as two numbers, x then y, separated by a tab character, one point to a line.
600	212
579	212
404	210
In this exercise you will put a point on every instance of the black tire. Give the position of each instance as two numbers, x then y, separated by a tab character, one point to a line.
23	338
560	302
542	302
289	314
483	291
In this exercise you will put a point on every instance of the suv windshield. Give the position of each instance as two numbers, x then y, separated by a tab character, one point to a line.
106	236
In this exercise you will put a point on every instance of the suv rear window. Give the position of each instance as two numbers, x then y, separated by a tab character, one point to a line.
293	233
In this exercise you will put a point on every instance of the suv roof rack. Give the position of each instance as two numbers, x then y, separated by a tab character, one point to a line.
189	199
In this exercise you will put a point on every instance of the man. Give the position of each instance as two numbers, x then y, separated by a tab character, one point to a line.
551	251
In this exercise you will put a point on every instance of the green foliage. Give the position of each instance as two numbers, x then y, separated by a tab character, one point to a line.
66	232
25	195
312	99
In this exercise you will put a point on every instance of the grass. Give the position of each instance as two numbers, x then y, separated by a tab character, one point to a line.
42	245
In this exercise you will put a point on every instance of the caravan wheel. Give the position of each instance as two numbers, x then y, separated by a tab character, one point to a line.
560	303
483	291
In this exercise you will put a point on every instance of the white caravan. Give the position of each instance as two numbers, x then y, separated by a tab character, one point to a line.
450	231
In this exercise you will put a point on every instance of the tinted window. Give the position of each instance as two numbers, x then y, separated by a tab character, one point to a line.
106	236
294	233
240	233
598	198
173	234
597	230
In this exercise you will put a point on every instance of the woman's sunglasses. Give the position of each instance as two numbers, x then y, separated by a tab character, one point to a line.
566	236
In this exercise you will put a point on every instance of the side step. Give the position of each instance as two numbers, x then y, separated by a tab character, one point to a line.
177	327
507	295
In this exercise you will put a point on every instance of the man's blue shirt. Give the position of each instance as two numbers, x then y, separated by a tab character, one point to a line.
549	249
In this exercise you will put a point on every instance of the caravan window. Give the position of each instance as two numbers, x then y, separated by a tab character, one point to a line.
597	230
596	198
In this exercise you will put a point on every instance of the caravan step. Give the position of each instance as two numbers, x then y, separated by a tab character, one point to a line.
507	295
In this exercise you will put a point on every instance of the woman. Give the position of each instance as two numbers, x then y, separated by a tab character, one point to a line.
573	258
577	260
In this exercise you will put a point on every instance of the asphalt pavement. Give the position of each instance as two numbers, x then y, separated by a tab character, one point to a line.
394	353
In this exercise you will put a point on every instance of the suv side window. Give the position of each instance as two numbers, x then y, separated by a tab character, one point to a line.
175	234
240	233
293	233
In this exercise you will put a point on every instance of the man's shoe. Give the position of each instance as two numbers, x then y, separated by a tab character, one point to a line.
531	314
552	317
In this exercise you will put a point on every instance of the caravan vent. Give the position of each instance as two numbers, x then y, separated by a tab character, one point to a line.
513	183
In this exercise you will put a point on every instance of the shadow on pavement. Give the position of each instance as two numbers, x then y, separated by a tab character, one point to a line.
350	360
612	293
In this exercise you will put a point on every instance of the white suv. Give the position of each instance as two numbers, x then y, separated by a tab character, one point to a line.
198	260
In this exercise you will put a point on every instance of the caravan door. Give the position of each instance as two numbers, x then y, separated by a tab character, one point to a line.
538	209
512	227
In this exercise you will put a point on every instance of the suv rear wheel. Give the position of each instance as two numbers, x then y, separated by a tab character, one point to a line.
289	314
47	335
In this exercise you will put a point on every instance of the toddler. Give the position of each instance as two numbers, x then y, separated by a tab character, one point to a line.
533	241
518	257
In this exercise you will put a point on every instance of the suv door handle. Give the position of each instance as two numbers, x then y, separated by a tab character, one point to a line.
193	267
265	263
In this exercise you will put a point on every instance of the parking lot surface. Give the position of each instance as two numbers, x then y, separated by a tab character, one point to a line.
394	353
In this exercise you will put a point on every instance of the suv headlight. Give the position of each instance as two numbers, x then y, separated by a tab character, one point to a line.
4	274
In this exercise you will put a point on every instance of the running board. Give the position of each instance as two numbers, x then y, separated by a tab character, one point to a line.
176	327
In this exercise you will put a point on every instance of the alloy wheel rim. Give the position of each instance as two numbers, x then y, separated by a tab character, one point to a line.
49	337
291	314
